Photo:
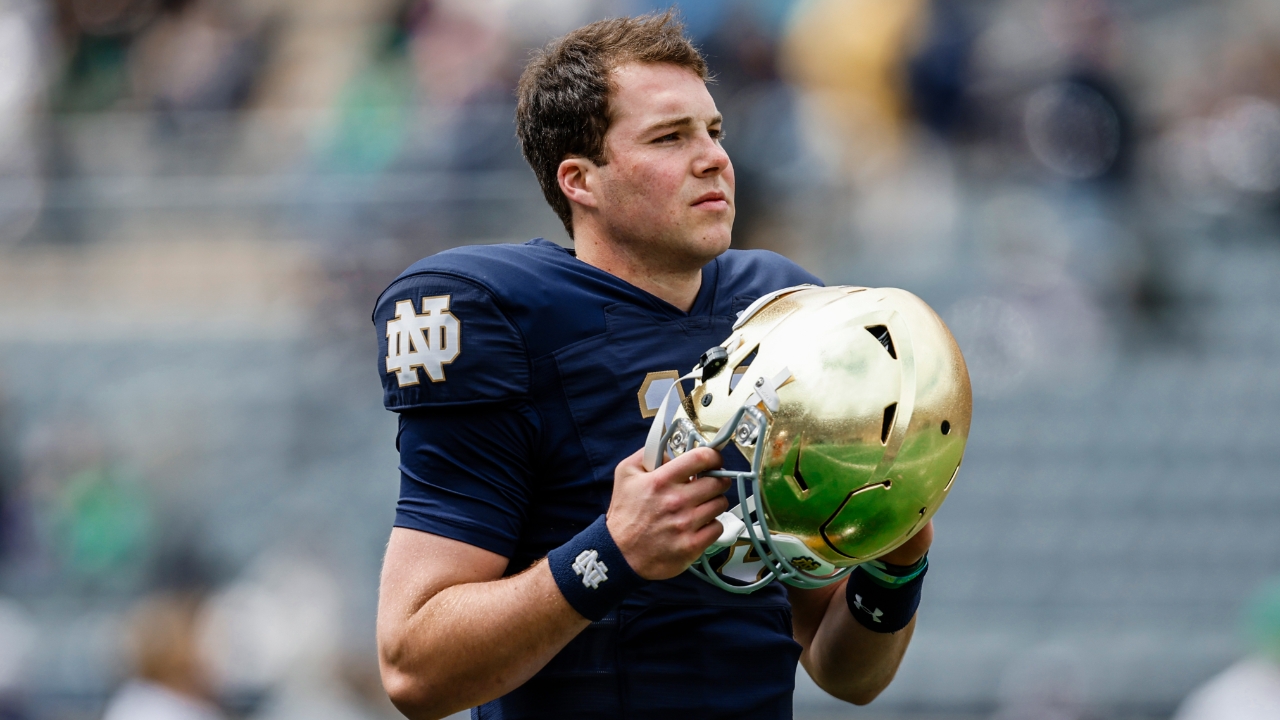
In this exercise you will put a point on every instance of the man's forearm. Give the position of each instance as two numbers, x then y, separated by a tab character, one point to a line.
843	657
850	661
473	642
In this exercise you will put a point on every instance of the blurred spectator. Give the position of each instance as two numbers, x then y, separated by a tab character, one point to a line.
849	58
1219	147
96	36
1075	127
465	62
82	519
196	55
742	52
1046	90
166	54
1078	125
1250	689
22	78
375	108
938	71
102	525
17	637
9	476
277	632
863	70
458	47
1233	155
170	679
439	72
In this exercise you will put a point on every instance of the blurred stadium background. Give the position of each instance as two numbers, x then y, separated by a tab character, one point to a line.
200	200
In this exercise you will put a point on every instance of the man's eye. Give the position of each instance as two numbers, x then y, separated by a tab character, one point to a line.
669	137
716	135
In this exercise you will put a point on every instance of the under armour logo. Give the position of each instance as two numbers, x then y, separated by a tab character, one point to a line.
428	341
875	615
593	571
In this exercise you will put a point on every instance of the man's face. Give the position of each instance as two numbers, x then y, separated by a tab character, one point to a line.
666	190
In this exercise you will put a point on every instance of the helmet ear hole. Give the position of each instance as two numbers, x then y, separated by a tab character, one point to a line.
881	333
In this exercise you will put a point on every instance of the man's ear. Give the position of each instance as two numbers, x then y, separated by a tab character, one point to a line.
578	180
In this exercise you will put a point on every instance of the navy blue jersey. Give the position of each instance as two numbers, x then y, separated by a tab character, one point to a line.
522	376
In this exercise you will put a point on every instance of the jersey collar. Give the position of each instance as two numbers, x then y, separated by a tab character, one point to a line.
703	303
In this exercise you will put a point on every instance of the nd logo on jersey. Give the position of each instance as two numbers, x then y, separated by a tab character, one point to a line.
428	341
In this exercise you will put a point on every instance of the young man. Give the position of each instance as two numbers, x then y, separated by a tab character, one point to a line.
522	376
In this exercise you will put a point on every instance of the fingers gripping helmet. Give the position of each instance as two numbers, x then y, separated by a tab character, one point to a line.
853	406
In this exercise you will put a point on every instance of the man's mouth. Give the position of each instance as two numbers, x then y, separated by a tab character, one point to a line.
714	200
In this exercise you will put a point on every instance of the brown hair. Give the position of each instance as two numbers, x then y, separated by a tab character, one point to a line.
562	106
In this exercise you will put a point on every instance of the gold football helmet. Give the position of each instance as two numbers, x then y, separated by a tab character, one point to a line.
852	405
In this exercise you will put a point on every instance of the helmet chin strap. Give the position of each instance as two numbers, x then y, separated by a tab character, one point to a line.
756	557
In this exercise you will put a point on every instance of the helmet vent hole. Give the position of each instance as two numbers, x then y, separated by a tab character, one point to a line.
881	333
804	486
741	368
795	472
946	427
889	412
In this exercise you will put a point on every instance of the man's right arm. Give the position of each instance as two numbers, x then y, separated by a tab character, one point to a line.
453	633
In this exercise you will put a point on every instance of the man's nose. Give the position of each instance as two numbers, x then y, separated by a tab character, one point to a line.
713	159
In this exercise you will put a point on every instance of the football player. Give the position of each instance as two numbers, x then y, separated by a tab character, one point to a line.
535	568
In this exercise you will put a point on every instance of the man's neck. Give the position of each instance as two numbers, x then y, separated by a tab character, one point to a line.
678	287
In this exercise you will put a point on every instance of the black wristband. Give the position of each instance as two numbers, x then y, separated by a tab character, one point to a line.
592	573
885	607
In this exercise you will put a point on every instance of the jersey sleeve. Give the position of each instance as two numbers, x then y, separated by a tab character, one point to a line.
444	341
465	473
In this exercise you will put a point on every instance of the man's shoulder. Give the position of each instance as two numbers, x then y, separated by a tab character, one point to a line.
761	271
504	306
447	332
505	270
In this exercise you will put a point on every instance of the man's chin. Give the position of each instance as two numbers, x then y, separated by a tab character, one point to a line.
683	251
702	248
719	241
